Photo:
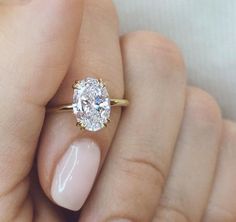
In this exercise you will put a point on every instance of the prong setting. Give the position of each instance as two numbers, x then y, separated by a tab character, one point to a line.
80	125
76	84
91	104
102	82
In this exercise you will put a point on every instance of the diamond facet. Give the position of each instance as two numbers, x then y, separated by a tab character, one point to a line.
91	104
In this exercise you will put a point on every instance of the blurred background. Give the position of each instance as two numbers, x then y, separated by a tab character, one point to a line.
205	30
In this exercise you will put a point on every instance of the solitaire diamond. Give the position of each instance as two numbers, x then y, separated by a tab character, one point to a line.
91	104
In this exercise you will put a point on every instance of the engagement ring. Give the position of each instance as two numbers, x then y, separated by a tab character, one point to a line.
91	104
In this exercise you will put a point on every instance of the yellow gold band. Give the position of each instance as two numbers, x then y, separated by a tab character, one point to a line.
119	102
69	107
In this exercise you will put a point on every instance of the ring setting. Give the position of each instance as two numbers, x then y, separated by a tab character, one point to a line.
91	104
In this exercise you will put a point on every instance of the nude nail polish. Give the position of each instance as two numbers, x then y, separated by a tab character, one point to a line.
75	174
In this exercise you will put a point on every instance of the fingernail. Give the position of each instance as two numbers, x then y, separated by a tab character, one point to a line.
75	174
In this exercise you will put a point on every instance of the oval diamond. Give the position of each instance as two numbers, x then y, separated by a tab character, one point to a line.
91	104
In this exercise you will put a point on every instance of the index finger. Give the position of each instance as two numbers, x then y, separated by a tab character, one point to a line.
69	158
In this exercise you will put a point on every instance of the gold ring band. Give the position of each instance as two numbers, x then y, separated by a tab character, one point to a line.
69	107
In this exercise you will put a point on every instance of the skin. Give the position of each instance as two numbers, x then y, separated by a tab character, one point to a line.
89	48
172	155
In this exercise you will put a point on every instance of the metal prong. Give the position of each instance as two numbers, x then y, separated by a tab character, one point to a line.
80	125
101	82
105	124
75	85
108	120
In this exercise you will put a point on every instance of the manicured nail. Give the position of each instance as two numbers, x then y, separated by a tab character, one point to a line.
75	174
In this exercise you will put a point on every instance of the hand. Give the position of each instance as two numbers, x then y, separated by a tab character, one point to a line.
150	169
40	38
173	156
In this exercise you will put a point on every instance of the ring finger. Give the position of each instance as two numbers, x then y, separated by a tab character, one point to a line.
69	158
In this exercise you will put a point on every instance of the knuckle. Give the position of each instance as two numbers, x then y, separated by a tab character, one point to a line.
144	168
169	213
149	40
156	50
203	109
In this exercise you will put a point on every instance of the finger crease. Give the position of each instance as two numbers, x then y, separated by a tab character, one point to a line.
22	205
14	187
171	209
149	164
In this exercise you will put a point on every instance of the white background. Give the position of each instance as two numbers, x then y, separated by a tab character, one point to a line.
205	30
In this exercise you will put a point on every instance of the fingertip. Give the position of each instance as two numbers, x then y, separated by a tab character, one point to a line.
75	174
203	107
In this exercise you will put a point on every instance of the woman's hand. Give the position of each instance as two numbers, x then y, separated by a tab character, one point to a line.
172	155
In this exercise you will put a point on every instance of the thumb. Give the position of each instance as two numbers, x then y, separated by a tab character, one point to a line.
37	41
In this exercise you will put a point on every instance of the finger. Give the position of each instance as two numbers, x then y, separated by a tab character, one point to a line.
63	145
33	63
190	179
132	179
44	209
222	203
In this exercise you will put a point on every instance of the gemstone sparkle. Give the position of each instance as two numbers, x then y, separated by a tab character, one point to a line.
91	104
